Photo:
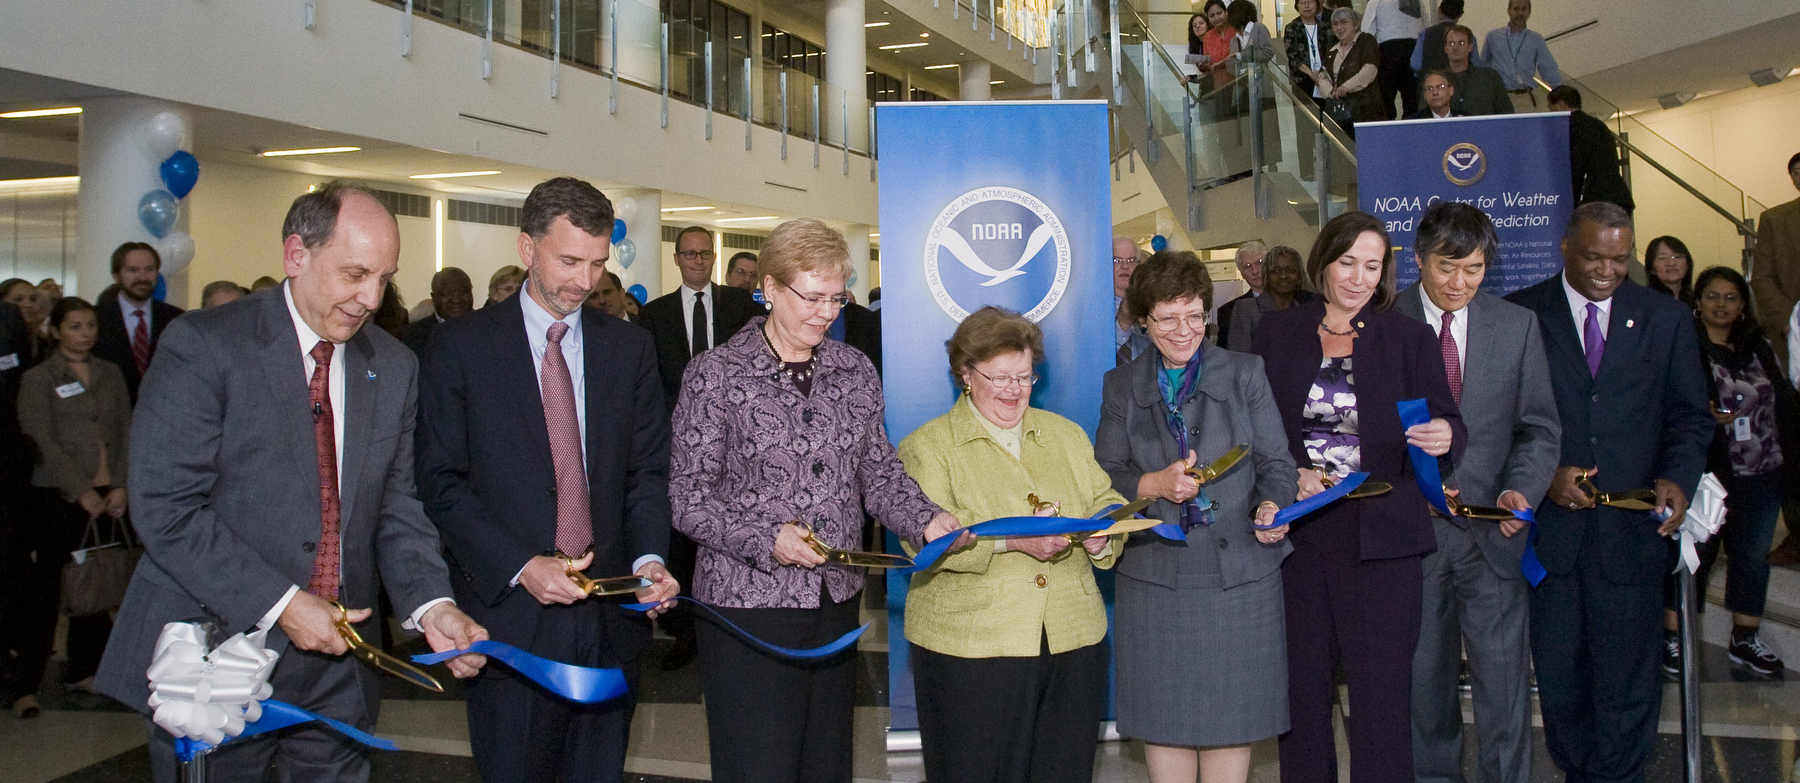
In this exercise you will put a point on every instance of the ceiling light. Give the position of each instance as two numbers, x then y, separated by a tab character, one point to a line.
1767	76
874	235
904	46
876	24
924	35
39	183
998	81
945	65
1674	99
745	219
687	209
453	174
312	151
20	115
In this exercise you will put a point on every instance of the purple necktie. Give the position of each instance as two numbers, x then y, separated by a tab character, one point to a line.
1596	342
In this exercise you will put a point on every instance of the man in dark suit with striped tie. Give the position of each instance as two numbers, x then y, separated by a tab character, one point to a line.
131	322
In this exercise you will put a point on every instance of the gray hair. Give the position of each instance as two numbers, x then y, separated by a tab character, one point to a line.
1604	214
1346	15
1254	246
313	216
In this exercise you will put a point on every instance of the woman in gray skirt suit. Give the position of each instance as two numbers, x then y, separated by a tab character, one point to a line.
1200	637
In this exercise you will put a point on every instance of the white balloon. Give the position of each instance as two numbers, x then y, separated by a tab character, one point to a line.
624	209
177	249
625	252
163	134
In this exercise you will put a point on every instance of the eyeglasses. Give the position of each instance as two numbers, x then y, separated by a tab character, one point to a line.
690	255
1458	44
1726	298
1194	321
839	301
1117	261
1437	88
1675	257
1008	381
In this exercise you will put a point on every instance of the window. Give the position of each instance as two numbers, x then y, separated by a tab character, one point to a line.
883	87
925	95
693	23
793	52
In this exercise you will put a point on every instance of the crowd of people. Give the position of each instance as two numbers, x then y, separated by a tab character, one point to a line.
713	440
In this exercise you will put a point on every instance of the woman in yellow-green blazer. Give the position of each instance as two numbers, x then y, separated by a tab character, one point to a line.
1006	633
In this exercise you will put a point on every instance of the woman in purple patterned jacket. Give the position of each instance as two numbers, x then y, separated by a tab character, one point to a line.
779	430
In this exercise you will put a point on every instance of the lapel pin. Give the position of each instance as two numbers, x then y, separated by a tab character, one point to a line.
1630	323
371	375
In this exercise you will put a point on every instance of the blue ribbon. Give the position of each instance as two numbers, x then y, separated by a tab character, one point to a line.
1425	466
1529	564
280	715
1027	526
836	646
579	684
1303	507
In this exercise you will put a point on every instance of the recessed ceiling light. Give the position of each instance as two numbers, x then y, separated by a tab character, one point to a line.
874	235
945	65
20	115
904	46
453	174
924	35
745	219
876	24
311	151
687	209
998	81
39	182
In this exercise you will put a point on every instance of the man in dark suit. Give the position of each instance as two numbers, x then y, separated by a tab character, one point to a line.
452	294
860	328
131	323
15	475
1439	96
1476	597
1630	391
695	317
542	431
1250	266
1593	154
252	515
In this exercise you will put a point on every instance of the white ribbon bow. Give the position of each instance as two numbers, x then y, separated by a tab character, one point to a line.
1704	516
208	695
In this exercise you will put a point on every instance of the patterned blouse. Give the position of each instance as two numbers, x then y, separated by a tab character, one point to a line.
751	452
1747	390
1328	423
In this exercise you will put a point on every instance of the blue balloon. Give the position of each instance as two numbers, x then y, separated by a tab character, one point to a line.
162	288
180	172
1158	243
624	252
618	231
156	210
637	292
852	280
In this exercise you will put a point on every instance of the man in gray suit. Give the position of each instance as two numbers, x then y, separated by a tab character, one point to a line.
1475	594
251	514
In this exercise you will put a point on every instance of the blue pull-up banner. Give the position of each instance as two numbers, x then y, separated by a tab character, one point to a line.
990	203
1514	167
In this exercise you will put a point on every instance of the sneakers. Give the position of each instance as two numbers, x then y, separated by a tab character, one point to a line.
1671	653
1748	650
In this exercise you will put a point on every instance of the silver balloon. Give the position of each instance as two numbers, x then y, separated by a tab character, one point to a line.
177	249
163	134
625	252
625	209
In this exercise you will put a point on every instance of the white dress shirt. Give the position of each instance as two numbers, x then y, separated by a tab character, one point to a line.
1578	309
1459	328
132	312
1382	19
335	390
687	312
1794	346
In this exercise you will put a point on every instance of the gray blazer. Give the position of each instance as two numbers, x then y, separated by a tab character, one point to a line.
1515	433
225	491
1231	405
70	431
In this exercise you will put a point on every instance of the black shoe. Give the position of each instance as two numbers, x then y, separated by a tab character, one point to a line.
1671	654
680	655
1749	651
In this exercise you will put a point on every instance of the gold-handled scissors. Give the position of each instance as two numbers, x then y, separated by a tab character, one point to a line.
379	659
612	585
1220	466
1630	500
1123	520
1368	489
1459	509
851	558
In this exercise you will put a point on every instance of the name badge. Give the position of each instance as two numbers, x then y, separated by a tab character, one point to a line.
70	389
1740	428
9	361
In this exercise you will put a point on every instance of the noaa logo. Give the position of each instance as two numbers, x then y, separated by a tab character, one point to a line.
997	246
1465	164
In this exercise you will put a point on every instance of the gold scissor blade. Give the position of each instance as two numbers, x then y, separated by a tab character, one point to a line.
1630	500
1220	466
1129	510
1370	489
379	659
616	585
1128	526
868	559
1484	512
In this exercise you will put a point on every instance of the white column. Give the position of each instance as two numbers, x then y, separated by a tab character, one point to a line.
118	167
846	66
975	80
857	235
643	229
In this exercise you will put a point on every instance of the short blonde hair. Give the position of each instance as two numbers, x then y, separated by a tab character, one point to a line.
804	245
990	332
507	274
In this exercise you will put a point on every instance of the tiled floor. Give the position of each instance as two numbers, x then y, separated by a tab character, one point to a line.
1751	733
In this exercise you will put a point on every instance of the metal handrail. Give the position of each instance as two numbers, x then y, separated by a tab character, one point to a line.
1743	226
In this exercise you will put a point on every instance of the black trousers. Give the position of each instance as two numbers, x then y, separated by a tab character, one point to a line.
328	685
679	622
774	720
48	532
1010	720
1597	645
520	732
1364	614
1396	77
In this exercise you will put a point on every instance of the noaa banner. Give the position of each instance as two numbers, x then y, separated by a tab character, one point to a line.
1514	167
990	203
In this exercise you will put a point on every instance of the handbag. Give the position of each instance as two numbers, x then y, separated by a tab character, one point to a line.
1338	109
95	578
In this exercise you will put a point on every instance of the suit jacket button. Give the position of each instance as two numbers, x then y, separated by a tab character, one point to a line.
1596	398
818	468
551	490
1224	544
806	415
1043	581
307	547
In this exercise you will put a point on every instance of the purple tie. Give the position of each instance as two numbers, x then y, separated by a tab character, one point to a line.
1596	342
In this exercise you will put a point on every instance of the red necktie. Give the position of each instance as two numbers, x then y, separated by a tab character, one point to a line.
574	526
1452	365
324	583
140	342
